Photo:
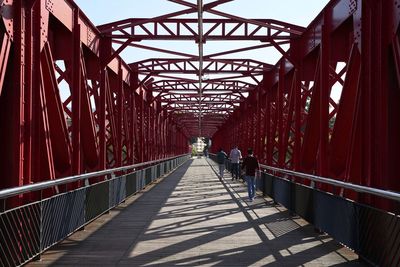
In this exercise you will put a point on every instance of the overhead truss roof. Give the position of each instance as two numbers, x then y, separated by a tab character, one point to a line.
201	90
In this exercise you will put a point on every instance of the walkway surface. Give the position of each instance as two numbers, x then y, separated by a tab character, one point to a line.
190	218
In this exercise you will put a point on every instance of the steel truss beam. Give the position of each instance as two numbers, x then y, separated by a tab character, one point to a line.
161	71
190	66
139	29
212	86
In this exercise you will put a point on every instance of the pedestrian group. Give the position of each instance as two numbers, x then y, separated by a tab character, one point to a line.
250	165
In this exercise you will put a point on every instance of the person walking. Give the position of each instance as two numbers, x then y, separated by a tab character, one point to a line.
221	157
205	151
235	157
251	165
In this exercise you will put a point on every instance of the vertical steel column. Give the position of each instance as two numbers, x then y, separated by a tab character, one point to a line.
159	131
269	149
393	98
288	125
105	51
244	128
31	128
120	97
279	105
258	143
153	109
382	118
142	124
297	119
18	107
134	81
162	136
253	123
148	144
102	119
166	116
76	95
374	98
324	99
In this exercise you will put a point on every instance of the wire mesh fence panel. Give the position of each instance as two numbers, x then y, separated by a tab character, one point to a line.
20	235
97	200
27	231
62	215
147	177
131	184
117	191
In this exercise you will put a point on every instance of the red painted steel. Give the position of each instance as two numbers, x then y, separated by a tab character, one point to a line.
173	65
330	106
65	108
185	29
335	112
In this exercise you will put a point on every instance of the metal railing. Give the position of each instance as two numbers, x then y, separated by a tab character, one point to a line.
373	233
26	231
9	192
345	185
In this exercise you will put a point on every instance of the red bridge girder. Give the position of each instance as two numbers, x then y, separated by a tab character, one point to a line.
211	86
63	111
189	66
333	109
139	29
328	107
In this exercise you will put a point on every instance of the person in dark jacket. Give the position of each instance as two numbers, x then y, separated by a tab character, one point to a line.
221	157
251	165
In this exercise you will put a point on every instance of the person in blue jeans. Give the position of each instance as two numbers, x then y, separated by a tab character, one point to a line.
251	165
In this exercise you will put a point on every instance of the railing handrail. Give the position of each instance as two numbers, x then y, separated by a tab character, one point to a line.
9	192
358	188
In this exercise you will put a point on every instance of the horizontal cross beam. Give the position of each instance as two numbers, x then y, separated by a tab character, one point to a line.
190	66
139	29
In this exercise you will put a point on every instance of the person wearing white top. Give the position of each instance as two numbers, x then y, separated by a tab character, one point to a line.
235	157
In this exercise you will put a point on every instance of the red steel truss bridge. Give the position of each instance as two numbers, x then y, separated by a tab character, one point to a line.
324	120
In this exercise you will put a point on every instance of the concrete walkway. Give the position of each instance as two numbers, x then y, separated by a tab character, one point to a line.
192	219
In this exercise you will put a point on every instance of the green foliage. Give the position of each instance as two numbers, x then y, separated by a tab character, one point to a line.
194	151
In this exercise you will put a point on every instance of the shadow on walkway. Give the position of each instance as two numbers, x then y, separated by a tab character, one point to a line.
192	219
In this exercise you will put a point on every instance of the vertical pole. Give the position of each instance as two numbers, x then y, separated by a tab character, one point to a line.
76	96
258	143
147	143
142	122
17	116
105	52
268	127
297	121
247	126
324	102
102	119
162	134
33	63
374	97
120	93
280	103
159	130
133	115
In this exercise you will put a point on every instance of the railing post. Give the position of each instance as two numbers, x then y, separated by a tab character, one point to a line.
39	256
2	205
